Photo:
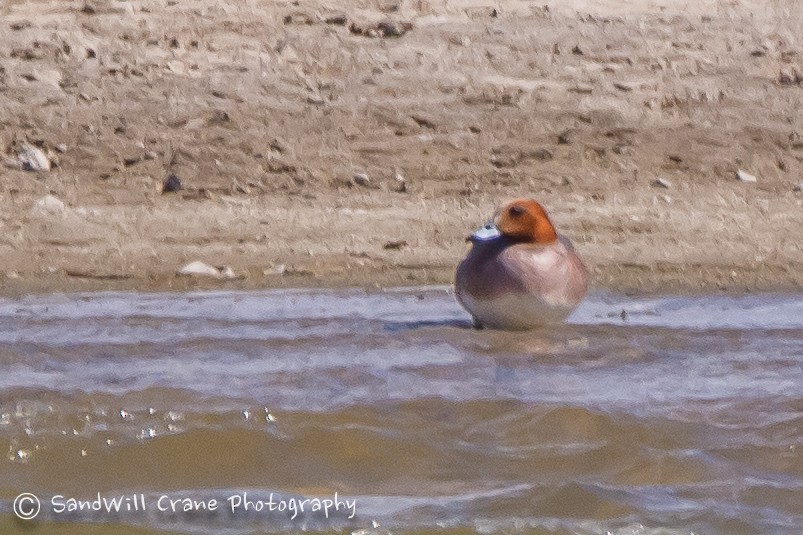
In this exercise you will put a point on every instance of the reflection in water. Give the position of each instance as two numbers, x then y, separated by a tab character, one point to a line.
678	415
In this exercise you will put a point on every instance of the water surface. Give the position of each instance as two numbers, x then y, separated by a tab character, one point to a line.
664	415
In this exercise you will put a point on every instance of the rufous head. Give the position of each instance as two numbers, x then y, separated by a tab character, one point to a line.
525	220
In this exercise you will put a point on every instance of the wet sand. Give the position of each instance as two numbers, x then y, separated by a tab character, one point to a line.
268	110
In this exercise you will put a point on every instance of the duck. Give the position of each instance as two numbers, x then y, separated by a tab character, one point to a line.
519	273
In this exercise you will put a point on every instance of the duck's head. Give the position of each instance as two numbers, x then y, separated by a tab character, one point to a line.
525	220
520	220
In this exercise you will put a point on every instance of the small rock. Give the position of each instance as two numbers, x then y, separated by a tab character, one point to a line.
338	20
33	159
49	205
798	187
582	89
12	163
662	183
385	28
495	13
390	28
279	145
577	51
316	99
279	269
789	76
361	179
61	147
622	87
278	164
176	66
745	177
394	245
400	182
227	273
171	184
300	18
199	269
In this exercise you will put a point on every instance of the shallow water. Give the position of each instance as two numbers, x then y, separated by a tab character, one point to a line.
679	415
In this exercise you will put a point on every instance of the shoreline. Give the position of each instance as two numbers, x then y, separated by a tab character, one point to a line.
720	281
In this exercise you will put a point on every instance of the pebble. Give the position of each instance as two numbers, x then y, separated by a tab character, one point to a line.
394	245
199	269
662	183
171	184
316	99
12	163
227	273
387	28
400	182
798	187
33	159
393	29
361	179
49	205
338	20
176	66
789	76
279	145
280	269
745	177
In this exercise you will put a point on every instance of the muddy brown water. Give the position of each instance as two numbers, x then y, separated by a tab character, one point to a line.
679	415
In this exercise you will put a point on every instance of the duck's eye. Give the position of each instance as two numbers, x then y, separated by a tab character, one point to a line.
516	211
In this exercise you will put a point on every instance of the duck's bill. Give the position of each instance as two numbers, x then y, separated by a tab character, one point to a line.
488	232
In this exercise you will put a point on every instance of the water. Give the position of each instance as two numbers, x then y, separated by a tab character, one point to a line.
680	415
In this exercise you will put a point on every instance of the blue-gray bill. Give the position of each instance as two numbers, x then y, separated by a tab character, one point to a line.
486	233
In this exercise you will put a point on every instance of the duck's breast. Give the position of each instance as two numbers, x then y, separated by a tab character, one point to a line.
520	285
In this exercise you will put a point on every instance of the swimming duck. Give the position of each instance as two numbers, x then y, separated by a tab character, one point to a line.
520	273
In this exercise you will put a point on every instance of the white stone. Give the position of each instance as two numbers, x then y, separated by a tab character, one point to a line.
227	273
361	179
33	159
745	177
48	205
199	269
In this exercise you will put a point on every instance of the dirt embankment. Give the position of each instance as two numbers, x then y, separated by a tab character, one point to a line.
317	146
